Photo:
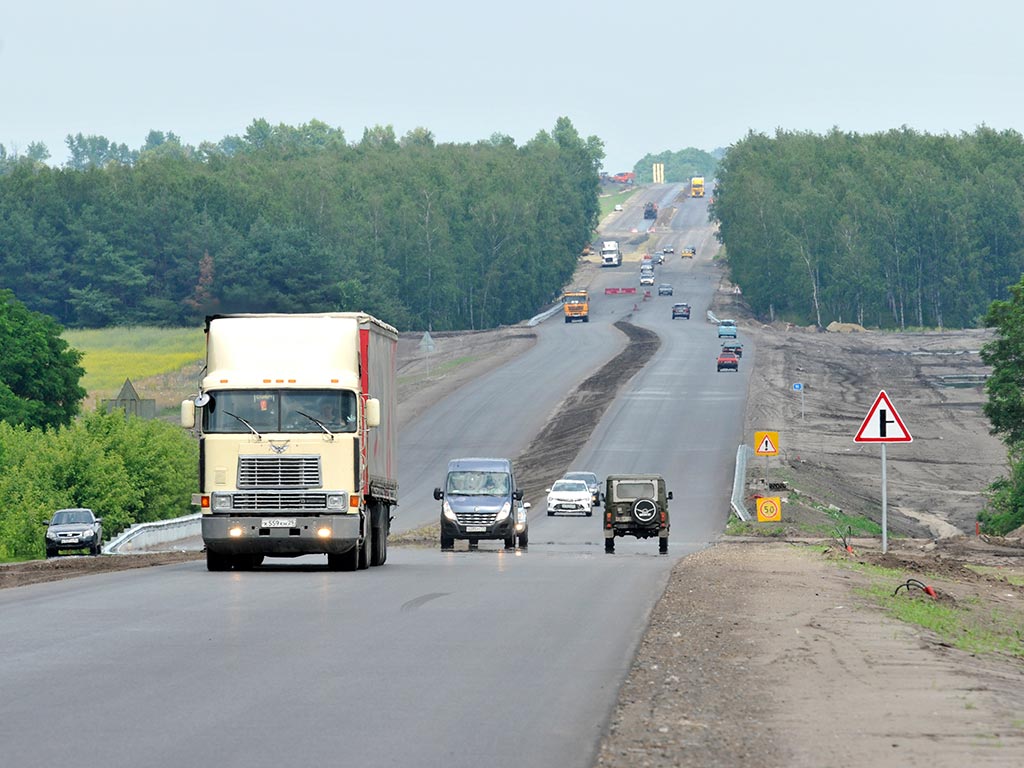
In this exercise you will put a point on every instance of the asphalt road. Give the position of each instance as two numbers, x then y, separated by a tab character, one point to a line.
436	659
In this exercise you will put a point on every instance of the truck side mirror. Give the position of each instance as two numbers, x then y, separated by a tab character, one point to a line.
438	494
372	412
188	414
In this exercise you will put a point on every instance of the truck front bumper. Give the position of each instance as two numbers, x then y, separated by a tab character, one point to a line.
283	534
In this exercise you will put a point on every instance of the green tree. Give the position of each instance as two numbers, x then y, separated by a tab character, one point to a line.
1005	406
39	373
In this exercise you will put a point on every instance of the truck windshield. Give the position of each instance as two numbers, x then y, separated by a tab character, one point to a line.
280	410
477	483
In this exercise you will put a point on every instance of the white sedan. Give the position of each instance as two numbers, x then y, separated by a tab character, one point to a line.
570	496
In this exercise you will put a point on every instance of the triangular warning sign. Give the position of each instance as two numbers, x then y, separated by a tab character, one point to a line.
883	424
766	446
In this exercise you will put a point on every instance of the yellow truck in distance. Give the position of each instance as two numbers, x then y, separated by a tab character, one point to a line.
576	306
697	186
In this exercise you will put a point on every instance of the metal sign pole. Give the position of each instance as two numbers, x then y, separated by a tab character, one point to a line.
885	527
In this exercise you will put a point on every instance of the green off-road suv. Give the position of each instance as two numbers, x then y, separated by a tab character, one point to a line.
636	505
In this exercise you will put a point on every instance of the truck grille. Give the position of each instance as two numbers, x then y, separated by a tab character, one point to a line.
279	472
271	501
476	518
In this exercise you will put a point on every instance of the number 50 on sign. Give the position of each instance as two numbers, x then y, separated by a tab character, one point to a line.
769	509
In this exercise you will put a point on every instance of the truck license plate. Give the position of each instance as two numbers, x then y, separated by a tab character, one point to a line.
476	528
277	522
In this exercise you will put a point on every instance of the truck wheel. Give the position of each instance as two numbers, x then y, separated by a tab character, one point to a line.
609	546
218	561
586	319
568	319
510	542
524	539
447	542
363	556
346	561
379	553
663	546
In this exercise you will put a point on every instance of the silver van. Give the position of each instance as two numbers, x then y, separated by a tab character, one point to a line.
480	500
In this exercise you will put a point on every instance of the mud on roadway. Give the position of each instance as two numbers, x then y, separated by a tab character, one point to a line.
769	651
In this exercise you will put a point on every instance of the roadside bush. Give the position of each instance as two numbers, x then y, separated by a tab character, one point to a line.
125	469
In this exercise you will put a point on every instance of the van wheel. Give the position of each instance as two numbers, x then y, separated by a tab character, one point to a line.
447	542
609	546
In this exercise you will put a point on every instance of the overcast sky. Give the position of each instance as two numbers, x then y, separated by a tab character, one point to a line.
642	76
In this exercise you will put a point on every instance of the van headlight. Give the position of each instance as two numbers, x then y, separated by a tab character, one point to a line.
503	513
446	510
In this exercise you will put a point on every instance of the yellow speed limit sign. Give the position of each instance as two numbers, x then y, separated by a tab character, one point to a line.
769	509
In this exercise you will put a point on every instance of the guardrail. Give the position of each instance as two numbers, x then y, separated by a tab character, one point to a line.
146	536
739	480
712	318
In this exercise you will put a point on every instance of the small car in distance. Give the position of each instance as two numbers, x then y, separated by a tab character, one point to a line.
681	309
618	208
570	496
668	249
688	253
733	346
727	329
76	528
727	361
592	481
647	278
665	289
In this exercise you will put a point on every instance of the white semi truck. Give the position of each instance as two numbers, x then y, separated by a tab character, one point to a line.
611	256
296	416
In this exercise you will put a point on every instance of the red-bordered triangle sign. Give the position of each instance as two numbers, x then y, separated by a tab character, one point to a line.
883	424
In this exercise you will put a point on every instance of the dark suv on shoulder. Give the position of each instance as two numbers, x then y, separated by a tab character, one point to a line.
636	505
76	528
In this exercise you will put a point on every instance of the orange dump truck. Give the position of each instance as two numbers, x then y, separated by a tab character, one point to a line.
576	305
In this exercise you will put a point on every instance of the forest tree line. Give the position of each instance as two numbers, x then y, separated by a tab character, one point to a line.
296	219
891	230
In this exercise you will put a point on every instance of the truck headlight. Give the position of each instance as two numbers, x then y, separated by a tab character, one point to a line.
221	501
446	510
504	511
337	501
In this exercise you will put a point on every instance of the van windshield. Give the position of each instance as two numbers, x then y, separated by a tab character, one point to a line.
477	483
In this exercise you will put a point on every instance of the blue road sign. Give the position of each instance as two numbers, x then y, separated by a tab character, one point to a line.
798	387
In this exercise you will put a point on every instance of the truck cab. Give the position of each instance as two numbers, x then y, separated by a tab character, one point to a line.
576	306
